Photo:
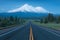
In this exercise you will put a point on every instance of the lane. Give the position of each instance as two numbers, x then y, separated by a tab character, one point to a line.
31	32
41	33
21	33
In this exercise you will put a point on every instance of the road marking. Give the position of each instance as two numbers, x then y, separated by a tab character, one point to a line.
31	34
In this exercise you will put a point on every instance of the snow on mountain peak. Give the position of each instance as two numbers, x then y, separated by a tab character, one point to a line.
29	8
40	9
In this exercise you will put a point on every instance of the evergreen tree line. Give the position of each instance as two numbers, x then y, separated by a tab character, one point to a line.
50	19
11	20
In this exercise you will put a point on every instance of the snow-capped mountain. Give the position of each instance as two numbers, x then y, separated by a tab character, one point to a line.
29	8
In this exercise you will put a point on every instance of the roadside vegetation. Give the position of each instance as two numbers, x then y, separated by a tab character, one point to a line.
10	21
50	21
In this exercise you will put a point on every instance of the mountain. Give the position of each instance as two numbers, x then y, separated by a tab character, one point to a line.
29	8
27	11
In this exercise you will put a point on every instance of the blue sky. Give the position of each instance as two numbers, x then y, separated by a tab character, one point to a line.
50	5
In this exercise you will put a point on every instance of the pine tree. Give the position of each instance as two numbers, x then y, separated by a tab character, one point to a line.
50	17
41	21
11	18
58	19
45	20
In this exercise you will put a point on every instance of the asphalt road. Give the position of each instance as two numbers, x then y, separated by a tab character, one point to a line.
23	33
41	33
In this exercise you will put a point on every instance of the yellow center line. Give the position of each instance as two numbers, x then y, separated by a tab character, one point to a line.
31	34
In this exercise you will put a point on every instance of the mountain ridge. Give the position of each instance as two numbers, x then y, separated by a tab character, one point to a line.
29	8
25	15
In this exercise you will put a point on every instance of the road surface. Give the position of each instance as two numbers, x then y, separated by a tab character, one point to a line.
31	31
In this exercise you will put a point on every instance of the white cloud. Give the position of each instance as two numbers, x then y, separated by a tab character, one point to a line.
29	8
